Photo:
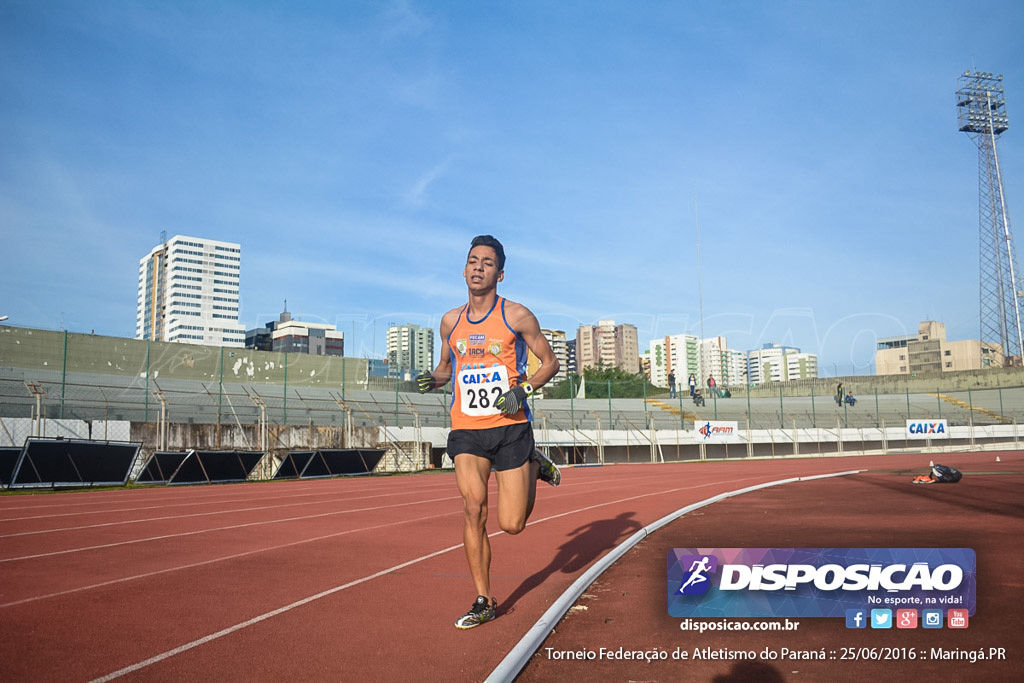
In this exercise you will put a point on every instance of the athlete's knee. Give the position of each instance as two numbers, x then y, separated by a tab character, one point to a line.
475	513
513	526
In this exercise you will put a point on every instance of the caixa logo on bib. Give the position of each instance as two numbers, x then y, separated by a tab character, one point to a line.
816	582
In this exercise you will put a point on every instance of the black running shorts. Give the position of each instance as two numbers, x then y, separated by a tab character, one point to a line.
506	447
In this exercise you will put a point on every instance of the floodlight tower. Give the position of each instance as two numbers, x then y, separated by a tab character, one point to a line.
981	110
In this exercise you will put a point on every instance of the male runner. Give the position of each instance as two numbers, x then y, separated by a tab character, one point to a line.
487	341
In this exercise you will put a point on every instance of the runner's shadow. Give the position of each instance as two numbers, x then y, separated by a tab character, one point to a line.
585	544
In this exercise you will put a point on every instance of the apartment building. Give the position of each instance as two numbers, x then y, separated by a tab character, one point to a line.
608	344
677	353
560	347
410	349
930	352
727	366
295	336
188	292
779	363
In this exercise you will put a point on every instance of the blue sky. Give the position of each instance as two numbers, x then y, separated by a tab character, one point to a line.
355	148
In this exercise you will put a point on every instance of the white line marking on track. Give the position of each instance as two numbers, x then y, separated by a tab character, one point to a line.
221	559
517	657
323	493
268	615
492	487
331	591
195	514
223	528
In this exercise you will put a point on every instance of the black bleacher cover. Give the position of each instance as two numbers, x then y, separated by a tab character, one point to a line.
229	465
352	461
329	463
294	464
73	462
8	461
161	466
199	467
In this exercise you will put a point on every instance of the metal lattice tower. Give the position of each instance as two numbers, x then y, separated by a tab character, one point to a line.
981	110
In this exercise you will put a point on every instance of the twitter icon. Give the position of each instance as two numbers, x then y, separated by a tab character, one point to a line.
881	618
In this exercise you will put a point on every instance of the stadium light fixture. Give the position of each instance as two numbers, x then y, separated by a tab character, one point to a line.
981	113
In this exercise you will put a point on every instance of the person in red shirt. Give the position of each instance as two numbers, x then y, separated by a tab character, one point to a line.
487	340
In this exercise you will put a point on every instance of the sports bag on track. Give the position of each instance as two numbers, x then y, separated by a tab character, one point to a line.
944	474
940	474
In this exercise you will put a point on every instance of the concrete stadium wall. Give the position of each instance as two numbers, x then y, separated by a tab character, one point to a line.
28	349
184	436
14	430
181	436
867	385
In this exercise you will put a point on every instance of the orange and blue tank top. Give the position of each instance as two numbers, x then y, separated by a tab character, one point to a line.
488	358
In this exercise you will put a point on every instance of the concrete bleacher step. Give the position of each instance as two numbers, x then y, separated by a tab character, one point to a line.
674	410
978	409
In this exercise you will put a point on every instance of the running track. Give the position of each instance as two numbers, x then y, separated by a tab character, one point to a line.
342	579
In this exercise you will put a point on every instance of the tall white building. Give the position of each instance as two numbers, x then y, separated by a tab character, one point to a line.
556	338
410	348
188	292
686	354
778	363
727	366
677	354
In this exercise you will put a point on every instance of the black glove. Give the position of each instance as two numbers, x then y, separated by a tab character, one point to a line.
425	382
512	400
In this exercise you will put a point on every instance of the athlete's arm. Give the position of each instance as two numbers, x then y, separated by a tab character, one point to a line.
525	323
443	372
526	326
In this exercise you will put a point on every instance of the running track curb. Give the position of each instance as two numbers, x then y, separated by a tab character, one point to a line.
519	655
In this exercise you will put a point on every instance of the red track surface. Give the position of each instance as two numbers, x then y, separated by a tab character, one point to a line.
626	607
345	579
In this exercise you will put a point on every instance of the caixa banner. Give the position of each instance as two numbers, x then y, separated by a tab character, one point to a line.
817	582
927	429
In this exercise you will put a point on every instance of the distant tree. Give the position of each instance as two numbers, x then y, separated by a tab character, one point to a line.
565	388
600	380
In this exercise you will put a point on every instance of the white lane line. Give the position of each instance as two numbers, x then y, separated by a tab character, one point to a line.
222	528
226	558
390	494
252	552
331	591
493	487
520	654
323	493
194	514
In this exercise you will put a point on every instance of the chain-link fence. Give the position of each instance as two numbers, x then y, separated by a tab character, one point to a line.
253	399
108	397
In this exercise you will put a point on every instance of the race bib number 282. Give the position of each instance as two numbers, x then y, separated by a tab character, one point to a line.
479	389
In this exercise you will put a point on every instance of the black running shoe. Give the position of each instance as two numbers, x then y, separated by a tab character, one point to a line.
548	471
481	611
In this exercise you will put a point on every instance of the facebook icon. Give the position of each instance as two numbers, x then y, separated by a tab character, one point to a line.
856	618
